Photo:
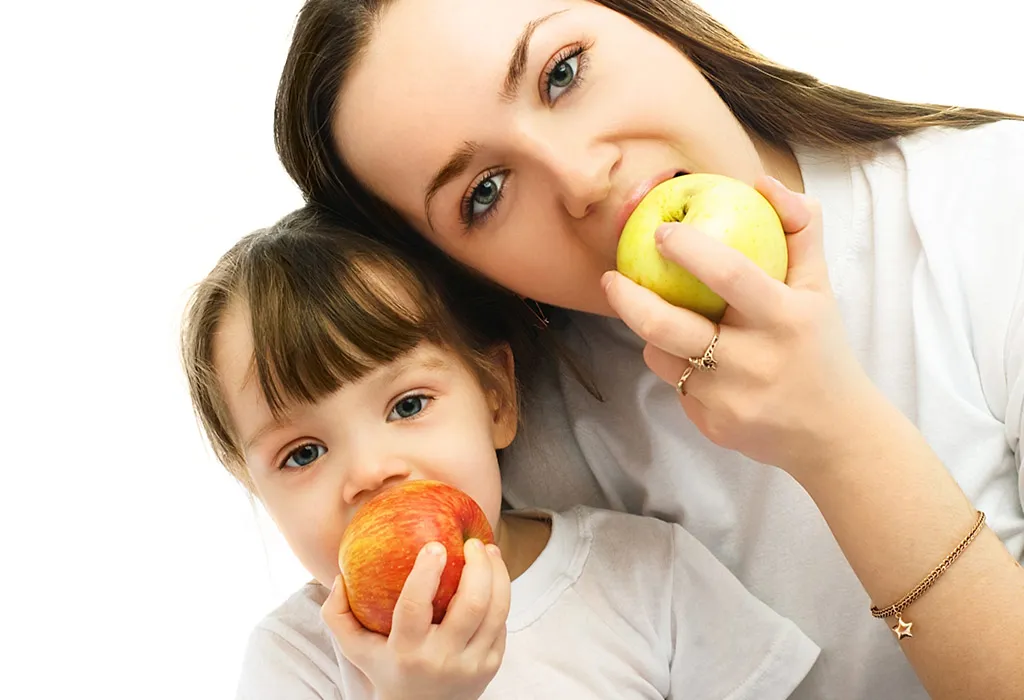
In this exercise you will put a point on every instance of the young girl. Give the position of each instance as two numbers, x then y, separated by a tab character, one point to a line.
325	369
885	379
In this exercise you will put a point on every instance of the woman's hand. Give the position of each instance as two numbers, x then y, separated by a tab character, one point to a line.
454	660
787	389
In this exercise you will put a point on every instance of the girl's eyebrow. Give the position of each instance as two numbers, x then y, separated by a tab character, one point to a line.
431	363
459	160
263	432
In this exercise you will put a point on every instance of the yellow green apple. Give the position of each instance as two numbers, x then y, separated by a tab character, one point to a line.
725	208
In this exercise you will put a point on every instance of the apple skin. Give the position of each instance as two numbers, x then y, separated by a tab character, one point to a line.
380	545
727	209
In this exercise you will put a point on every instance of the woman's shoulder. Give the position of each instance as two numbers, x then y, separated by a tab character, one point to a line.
964	190
996	141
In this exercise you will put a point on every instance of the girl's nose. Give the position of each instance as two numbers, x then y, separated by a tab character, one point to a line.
368	477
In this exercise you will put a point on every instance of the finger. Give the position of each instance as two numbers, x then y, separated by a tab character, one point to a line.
497	651
356	642
669	369
802	220
497	613
667	366
472	599
414	610
677	331
726	271
789	205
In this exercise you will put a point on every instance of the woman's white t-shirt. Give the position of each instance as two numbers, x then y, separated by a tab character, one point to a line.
925	244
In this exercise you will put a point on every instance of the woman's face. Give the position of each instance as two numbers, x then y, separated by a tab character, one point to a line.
518	136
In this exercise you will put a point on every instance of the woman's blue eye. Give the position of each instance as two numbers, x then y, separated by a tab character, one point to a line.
484	196
408	407
562	76
304	456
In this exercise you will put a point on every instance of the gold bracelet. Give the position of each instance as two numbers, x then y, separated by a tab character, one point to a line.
902	627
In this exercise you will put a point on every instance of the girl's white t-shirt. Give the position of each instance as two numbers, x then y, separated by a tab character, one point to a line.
615	606
925	244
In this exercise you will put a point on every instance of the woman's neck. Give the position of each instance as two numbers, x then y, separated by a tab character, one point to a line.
521	540
780	163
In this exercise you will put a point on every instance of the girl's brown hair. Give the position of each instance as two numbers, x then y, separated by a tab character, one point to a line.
326	305
780	105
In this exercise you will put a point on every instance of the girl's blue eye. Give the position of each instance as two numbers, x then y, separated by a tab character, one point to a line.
408	407
304	456
562	76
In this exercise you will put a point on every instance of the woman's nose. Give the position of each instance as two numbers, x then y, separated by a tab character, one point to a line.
372	474
581	168
585	181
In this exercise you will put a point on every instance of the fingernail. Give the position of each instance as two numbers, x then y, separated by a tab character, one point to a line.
493	550
435	550
662	233
606	280
476	544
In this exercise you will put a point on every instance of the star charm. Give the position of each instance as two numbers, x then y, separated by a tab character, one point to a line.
902	628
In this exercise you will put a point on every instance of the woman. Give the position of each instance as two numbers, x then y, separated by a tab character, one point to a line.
885	379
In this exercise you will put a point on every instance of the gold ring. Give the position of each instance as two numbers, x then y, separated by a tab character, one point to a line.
702	363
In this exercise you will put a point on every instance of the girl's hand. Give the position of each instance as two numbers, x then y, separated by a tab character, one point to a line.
454	660
787	390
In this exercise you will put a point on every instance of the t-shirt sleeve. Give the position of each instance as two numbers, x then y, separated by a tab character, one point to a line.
967	202
726	642
274	668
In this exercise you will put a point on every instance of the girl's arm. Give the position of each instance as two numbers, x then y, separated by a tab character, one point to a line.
788	391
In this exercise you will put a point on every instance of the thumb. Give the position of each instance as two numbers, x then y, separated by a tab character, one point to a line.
801	219
356	642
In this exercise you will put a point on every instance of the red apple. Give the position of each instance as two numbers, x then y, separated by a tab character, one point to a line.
379	546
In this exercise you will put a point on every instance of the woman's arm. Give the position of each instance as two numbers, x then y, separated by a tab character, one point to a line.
788	391
897	513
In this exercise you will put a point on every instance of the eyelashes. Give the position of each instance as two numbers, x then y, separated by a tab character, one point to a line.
490	196
565	71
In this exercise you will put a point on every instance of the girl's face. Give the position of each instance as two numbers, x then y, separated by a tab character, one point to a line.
518	136
424	416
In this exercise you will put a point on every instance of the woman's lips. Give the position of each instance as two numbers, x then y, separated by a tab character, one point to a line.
631	203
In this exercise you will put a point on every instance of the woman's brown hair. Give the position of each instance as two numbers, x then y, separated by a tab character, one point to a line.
781	106
326	305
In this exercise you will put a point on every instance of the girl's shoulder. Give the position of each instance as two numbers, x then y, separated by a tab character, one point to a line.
289	652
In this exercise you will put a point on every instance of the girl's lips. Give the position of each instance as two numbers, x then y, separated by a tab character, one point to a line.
631	203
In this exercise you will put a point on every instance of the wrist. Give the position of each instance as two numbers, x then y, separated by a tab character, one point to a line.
855	433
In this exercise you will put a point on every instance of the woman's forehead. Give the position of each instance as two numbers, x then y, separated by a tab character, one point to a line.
430	80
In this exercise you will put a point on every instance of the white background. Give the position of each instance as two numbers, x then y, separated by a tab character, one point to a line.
135	147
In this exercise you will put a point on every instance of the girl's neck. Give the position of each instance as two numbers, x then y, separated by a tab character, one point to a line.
521	540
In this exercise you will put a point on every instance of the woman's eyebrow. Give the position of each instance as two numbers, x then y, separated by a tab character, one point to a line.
520	57
453	168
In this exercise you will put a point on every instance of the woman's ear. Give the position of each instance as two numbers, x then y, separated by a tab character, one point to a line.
502	397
